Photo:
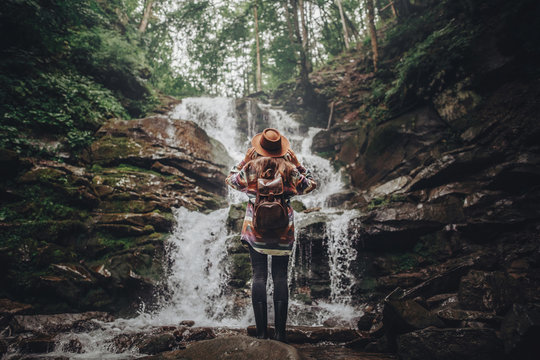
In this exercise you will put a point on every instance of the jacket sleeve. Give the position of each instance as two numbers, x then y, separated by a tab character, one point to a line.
304	180
237	178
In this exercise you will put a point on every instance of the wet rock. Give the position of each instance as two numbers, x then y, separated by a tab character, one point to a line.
188	323
448	275
403	279
456	317
51	324
157	343
8	306
520	331
397	147
157	221
381	345
240	269
487	291
441	300
401	316
340	198
306	334
359	343
298	206
73	346
366	321
389	187
197	334
235	219
450	344
399	225
176	143
41	344
232	347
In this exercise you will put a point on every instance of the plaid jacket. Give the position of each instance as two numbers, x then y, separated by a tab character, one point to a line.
242	179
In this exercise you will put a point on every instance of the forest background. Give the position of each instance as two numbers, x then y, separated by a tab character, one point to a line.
66	66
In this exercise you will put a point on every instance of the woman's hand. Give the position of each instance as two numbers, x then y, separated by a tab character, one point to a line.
250	155
291	157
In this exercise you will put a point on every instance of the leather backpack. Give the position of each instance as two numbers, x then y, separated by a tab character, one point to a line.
270	216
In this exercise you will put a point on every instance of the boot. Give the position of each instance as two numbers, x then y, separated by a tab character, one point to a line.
261	319
280	312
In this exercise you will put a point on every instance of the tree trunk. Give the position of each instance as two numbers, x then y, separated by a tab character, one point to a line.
372	32
146	15
259	74
305	39
344	24
304	69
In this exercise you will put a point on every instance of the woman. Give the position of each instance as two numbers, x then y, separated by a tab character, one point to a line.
270	156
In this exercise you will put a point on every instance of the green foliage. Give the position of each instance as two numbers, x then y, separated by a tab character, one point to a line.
383	201
65	106
432	63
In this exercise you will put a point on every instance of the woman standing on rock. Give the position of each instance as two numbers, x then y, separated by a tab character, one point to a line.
270	174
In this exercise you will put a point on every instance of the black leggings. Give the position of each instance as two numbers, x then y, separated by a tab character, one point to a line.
259	265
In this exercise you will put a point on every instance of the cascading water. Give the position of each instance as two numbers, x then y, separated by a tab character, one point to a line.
197	277
217	117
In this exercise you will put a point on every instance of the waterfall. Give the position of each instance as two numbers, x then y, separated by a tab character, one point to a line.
197	276
217	117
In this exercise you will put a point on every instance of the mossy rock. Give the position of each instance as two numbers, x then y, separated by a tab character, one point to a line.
298	206
320	291
367	283
235	246
236	217
240	268
303	298
43	175
112	149
61	232
127	206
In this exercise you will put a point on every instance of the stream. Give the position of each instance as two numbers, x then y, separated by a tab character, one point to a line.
197	281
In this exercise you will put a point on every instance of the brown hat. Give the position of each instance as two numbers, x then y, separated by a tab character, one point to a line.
270	143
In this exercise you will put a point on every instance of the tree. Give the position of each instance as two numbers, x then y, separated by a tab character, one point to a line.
372	32
305	38
146	15
343	23
259	73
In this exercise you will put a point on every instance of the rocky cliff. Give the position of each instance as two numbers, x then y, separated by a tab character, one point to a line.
443	159
90	235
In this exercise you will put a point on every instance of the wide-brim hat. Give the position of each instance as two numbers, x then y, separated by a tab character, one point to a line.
270	143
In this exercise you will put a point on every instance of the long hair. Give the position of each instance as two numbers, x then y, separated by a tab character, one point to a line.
266	167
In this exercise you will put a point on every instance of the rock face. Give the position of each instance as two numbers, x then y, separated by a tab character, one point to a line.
445	182
95	238
177	147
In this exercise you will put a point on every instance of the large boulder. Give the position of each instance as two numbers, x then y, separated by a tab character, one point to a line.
180	144
400	316
237	347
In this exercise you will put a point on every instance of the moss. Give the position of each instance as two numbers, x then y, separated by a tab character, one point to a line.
303	298
298	206
115	243
240	267
367	283
385	200
111	149
44	175
129	206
